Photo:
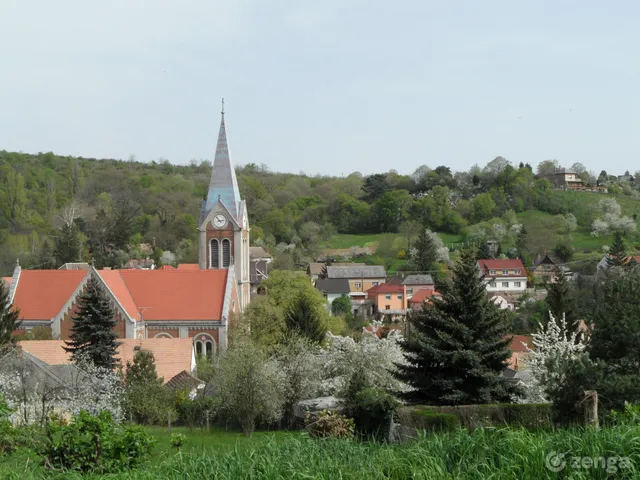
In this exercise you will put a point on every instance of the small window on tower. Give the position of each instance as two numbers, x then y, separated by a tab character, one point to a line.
215	259
226	253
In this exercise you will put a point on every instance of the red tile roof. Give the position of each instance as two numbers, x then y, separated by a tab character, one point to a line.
188	266
115	283
423	295
516	343
177	295
499	265
166	267
41	294
172	355
386	288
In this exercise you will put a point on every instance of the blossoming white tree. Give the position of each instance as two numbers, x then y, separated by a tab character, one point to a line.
554	346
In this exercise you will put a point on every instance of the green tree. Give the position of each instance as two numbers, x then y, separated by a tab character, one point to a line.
561	301
426	252
484	252
92	338
617	251
266	321
521	243
458	346
482	207
68	244
15	198
146	399
307	319
564	251
341	305
9	320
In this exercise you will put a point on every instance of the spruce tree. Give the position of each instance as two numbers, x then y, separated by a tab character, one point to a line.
457	347
484	252
561	301
521	243
426	251
617	251
92	338
68	245
306	319
9	320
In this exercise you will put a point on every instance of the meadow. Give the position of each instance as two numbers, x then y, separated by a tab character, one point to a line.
611	452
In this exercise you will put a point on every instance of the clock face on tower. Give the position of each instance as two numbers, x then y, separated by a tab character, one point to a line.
219	221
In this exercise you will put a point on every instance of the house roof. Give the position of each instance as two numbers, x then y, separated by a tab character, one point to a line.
188	266
356	271
184	381
41	294
333	285
315	268
386	288
176	294
418	280
517	341
502	264
172	355
258	252
166	267
115	283
564	171
423	295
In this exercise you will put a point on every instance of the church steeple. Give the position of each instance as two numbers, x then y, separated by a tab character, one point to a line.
223	185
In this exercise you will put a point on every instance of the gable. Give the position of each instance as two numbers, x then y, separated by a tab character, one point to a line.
41	294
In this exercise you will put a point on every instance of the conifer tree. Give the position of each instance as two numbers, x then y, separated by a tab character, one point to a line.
68	244
457	346
561	301
617	252
92	338
484	253
9	320
521	243
426	252
305	318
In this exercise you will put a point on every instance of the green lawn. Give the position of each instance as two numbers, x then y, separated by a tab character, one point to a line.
343	240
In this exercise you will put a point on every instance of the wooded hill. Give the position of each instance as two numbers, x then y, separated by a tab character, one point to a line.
55	209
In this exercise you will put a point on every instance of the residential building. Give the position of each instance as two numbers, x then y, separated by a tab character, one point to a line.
333	288
389	299
519	346
172	356
315	270
223	234
565	178
361	277
258	268
416	283
505	301
631	260
545	269
508	275
419	299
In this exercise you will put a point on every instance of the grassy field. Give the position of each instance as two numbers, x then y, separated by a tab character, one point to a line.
502	453
342	240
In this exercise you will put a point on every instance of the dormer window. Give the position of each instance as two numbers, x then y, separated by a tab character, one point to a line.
518	272
492	272
505	272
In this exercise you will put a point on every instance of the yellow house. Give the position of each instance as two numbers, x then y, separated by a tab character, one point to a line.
361	277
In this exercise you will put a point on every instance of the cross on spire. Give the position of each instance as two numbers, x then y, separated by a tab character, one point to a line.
222	107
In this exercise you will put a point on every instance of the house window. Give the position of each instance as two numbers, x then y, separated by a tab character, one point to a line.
204	346
517	284
387	297
387	307
546	278
492	284
357	285
399	297
214	260
505	272
492	272
226	253
410	291
518	272
375	284
505	284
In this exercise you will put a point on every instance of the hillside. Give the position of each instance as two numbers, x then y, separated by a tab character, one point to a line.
55	209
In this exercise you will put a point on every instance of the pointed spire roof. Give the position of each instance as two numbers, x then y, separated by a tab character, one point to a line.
223	185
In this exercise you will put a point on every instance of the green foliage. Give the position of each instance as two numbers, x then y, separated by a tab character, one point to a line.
426	252
92	338
68	244
330	424
457	346
7	432
147	400
194	412
561	301
618	251
341	305
9	320
564	251
425	418
95	444
372	410
307	318
178	440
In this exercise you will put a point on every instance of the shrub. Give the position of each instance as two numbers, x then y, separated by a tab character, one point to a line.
94	443
373	409
422	418
330	424
194	412
177	440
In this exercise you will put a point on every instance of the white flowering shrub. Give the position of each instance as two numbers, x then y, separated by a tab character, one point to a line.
611	219
554	346
343	355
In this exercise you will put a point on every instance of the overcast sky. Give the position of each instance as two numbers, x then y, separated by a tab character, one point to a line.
330	86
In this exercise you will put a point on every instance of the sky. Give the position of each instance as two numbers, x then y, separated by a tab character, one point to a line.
324	87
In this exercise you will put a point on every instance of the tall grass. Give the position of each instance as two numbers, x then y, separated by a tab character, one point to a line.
484	454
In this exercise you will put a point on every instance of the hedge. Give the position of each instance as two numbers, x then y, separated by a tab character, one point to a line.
529	416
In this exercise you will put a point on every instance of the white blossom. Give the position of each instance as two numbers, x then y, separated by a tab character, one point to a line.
611	219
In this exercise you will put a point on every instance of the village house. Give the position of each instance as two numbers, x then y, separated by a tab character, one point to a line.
360	277
546	269
333	288
565	178
389	300
422	297
631	260
414	283
507	275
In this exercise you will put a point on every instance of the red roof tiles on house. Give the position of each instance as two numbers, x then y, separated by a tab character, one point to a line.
189	266
386	288
499	265
516	344
115	283
177	295
172	355
423	295
41	294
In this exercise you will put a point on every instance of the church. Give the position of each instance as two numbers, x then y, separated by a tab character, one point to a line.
191	301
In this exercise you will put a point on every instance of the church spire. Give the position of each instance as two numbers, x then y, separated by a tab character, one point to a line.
223	185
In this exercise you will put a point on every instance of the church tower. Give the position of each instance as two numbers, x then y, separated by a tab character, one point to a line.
223	234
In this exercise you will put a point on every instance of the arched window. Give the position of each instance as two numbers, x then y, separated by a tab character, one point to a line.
215	258
226	253
163	335
198	348
205	345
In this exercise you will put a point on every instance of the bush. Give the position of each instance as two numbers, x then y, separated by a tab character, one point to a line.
194	412
373	410
177	440
7	432
94	443
330	424
422	418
